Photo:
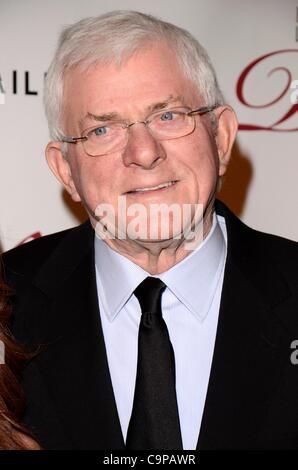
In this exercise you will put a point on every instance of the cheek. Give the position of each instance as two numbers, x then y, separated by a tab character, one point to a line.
197	162
206	170
95	180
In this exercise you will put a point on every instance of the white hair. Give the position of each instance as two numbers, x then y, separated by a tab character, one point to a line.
114	37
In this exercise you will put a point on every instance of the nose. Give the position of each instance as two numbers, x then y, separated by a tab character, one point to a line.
142	148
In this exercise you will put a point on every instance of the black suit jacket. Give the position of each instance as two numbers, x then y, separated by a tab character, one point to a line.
252	399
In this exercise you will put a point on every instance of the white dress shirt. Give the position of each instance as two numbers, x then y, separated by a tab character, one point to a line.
190	307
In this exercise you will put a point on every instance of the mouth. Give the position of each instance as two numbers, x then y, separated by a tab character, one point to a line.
150	189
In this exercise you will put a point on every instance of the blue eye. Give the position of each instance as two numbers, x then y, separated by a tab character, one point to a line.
99	131
167	116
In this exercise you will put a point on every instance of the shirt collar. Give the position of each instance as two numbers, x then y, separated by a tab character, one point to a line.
193	280
117	277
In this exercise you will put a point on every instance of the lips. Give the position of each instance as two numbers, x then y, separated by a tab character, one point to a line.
144	189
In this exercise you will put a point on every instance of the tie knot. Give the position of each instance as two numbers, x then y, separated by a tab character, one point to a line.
149	293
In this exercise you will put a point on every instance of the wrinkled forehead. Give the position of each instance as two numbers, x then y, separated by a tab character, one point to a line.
138	85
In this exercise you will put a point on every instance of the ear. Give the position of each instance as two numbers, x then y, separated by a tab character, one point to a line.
61	168
226	134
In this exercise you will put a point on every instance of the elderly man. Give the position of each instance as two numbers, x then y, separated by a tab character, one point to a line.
151	338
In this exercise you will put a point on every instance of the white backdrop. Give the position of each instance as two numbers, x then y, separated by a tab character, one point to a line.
261	186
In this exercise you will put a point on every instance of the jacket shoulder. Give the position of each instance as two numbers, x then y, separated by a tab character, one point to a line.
273	241
27	259
259	249
281	249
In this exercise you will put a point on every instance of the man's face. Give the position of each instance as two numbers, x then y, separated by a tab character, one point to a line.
144	83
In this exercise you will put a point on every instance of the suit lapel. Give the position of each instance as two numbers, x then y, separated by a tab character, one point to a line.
75	366
251	345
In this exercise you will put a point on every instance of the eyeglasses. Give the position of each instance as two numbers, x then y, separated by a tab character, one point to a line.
111	136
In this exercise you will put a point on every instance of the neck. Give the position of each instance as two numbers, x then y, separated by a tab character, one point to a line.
156	257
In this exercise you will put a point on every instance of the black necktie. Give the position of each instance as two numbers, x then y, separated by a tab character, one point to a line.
154	422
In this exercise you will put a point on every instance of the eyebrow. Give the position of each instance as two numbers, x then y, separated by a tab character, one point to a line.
114	115
99	117
164	104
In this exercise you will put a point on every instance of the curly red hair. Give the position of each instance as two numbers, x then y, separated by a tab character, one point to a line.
13	434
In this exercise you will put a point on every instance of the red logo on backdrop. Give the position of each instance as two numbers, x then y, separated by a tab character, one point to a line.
29	238
293	108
